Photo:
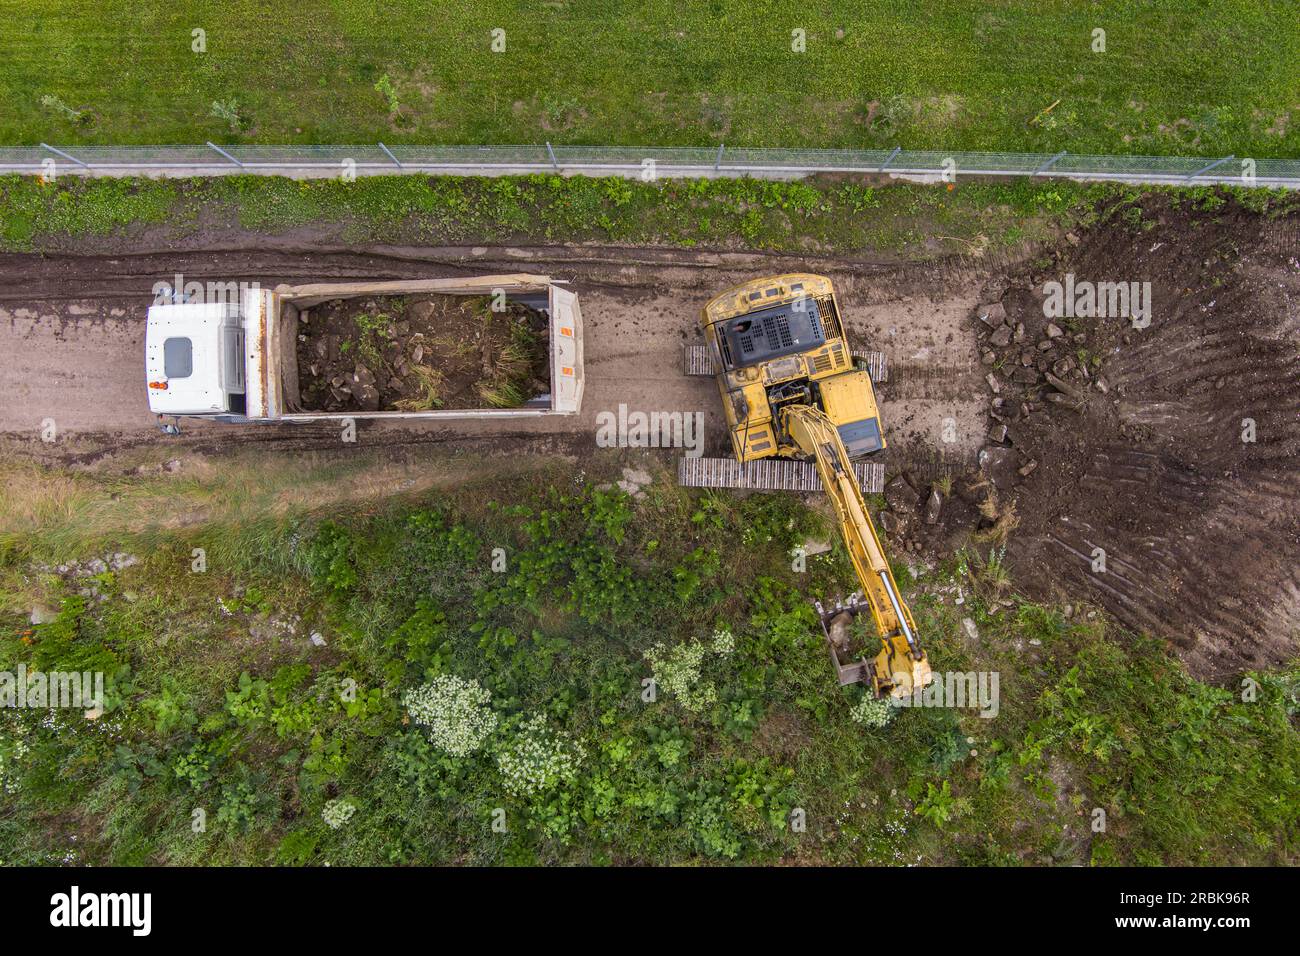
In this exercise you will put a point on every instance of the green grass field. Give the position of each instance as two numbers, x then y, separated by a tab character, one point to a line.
1210	77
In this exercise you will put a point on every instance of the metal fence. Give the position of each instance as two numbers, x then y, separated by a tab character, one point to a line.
645	162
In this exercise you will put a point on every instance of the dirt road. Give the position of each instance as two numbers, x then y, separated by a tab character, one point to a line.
74	325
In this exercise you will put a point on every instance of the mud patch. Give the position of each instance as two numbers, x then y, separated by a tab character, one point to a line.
420	352
1163	483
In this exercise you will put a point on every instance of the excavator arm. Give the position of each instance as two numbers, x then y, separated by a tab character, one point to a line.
901	665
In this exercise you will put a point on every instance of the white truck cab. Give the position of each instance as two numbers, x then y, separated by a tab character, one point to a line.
194	359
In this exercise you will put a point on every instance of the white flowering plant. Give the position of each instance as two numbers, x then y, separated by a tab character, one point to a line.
679	669
872	712
338	812
538	758
457	713
12	751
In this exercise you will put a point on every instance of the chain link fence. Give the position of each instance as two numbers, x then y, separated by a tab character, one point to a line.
644	162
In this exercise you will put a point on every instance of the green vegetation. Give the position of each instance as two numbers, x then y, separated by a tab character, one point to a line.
478	705
1209	78
809	216
812	216
373	333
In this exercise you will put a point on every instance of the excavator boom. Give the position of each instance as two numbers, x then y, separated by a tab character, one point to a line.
901	666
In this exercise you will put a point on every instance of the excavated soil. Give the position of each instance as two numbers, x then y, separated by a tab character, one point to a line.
418	352
1172	452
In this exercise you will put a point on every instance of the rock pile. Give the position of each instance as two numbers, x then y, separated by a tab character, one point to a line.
1029	368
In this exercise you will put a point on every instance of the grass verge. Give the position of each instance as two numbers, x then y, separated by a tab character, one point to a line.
812	216
558	598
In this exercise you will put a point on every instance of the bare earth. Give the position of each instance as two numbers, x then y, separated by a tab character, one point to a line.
75	324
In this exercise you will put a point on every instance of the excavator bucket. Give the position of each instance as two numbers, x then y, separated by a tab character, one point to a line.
893	671
851	666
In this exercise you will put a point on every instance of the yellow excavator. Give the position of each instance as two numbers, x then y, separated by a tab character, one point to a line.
792	388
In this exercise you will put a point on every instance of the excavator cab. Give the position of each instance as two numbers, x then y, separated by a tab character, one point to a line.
780	341
791	388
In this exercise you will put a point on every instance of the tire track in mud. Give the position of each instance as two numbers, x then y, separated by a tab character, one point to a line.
70	276
289	439
940	381
1186	473
65	276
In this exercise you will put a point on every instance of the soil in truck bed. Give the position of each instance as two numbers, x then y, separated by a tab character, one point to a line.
420	352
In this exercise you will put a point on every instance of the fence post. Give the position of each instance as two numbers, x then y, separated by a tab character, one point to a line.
717	163
389	153
551	153
227	155
1206	169
59	152
897	150
1050	163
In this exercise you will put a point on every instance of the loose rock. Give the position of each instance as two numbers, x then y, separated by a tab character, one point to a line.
934	506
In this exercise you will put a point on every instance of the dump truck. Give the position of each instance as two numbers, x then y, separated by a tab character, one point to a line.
235	360
800	408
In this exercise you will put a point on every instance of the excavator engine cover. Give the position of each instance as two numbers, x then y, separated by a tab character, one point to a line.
772	333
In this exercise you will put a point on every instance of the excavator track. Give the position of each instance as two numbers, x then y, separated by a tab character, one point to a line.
770	474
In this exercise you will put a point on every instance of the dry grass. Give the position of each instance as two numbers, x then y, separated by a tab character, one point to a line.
1002	514
499	394
57	514
507	372
430	384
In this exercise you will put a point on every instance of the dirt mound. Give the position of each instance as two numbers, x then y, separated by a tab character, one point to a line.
1163	458
420	352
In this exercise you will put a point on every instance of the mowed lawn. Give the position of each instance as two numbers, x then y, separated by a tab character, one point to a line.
1206	77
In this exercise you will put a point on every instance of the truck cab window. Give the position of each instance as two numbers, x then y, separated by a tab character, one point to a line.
178	358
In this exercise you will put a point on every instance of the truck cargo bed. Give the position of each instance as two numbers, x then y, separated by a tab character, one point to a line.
491	346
